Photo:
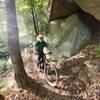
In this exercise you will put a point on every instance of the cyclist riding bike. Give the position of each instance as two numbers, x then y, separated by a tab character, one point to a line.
43	63
40	44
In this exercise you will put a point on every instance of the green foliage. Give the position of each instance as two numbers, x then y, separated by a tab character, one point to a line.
96	52
2	64
41	9
3	30
40	5
3	86
91	46
3	36
24	9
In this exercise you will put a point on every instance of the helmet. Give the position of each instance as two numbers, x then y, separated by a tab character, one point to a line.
39	36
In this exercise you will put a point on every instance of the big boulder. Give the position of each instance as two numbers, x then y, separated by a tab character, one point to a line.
67	36
62	8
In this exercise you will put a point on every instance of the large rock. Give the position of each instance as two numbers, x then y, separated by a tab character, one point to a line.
62	8
67	36
90	6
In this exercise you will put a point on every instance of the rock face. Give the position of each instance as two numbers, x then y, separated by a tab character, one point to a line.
67	36
90	6
62	8
71	23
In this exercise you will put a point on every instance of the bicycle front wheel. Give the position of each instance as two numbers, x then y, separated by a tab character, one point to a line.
51	74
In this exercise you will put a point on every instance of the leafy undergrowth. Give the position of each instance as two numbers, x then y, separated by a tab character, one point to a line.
78	78
96	51
2	64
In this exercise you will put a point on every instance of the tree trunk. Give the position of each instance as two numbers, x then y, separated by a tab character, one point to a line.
13	44
34	17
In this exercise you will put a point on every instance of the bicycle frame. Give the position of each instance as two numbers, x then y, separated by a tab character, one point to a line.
48	69
46	60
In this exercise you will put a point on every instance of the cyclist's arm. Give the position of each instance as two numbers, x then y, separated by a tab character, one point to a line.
47	49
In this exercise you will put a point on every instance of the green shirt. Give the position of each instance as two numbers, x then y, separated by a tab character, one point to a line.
40	45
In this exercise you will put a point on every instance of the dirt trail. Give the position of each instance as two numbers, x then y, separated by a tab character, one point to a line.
74	80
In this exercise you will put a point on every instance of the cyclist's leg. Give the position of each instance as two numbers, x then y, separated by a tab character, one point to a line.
38	60
38	64
42	60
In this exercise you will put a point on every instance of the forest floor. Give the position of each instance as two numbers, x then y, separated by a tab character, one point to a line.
78	79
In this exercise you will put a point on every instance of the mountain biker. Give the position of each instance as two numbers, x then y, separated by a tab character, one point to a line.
40	44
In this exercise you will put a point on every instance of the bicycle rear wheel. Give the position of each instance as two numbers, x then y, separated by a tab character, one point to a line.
51	74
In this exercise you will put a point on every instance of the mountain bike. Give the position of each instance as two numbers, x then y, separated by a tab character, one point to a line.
49	70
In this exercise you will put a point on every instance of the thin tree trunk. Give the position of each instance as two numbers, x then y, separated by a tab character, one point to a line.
34	17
